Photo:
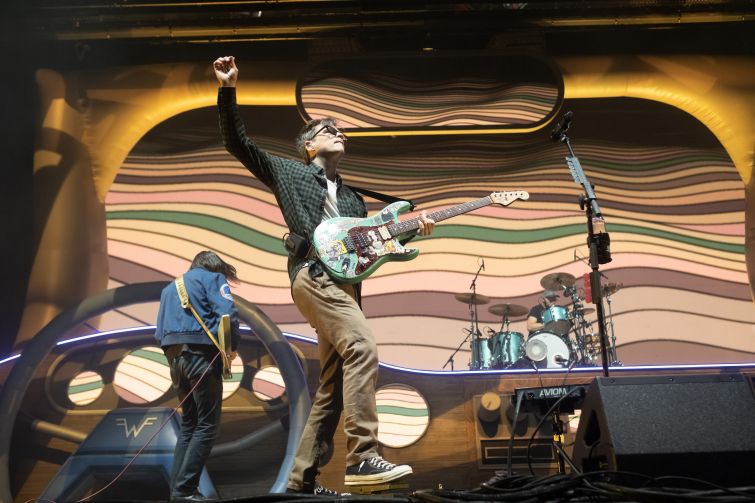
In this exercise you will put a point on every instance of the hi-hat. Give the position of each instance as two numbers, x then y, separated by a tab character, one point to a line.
472	298
557	281
611	288
508	309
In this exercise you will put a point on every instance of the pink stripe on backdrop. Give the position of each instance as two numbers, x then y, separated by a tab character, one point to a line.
722	229
239	202
175	266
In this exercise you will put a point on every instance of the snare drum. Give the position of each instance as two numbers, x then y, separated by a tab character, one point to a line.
481	355
556	320
507	348
548	348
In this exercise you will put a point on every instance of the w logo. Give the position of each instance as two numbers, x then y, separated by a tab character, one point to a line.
134	430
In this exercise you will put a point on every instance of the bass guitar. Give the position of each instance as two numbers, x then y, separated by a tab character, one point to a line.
353	248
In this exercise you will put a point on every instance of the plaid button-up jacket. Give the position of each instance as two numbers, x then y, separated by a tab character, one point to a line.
300	189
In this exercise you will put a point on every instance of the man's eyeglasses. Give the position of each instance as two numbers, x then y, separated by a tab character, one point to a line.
332	130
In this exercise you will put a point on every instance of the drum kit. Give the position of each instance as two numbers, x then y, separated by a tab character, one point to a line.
566	339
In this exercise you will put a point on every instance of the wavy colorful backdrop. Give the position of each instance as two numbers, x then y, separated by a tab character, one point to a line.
673	202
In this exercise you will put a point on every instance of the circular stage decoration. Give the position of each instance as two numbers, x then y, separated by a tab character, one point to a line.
231	385
85	388
403	415
143	375
268	384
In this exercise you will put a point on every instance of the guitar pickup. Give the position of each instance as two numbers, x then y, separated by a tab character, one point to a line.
348	244
384	233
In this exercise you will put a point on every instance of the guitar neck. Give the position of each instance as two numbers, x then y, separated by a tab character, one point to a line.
412	224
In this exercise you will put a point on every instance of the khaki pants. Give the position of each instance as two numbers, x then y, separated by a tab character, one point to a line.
349	368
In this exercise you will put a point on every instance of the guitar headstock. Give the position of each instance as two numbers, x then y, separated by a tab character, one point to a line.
506	198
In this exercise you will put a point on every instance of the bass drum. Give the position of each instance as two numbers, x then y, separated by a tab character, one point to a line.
548	350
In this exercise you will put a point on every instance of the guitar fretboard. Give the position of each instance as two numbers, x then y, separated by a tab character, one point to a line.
412	224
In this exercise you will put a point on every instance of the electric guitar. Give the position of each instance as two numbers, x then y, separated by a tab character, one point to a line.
353	248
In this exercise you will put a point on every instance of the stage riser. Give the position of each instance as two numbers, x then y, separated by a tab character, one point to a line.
459	449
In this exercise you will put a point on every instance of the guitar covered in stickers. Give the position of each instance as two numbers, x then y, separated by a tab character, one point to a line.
353	248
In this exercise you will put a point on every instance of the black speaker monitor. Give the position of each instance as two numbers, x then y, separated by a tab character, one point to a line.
700	426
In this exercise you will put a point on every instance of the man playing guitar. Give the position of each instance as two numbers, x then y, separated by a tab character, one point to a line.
308	193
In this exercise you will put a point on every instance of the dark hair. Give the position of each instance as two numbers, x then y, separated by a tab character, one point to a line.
307	132
209	261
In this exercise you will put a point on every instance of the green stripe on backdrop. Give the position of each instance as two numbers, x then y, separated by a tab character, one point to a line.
222	226
270	244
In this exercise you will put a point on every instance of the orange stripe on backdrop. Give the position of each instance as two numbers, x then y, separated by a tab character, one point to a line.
224	199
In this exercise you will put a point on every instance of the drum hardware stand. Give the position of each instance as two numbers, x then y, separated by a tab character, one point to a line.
558	440
475	327
598	240
507	338
458	348
614	359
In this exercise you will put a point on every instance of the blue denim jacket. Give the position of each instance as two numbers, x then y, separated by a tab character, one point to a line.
211	297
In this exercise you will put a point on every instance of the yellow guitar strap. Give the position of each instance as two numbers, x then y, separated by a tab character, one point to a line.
183	295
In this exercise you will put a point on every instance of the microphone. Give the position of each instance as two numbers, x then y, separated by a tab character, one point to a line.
483	263
562	126
559	359
575	255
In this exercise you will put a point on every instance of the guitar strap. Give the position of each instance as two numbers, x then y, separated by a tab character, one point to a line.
380	196
185	303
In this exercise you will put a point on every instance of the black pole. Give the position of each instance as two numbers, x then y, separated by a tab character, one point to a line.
598	239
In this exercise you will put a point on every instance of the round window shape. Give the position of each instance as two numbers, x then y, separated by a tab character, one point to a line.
85	388
142	376
268	384
403	415
230	386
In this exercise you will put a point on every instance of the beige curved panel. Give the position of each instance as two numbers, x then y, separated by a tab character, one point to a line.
69	219
91	121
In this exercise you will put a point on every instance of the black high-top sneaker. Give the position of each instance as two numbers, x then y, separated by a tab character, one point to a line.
375	471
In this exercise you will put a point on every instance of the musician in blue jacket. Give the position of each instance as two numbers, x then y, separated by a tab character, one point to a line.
308	192
195	364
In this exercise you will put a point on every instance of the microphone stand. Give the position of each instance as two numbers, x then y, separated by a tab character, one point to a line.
473	304
458	348
598	239
474	329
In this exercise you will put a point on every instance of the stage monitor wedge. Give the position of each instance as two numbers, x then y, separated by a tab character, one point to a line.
700	426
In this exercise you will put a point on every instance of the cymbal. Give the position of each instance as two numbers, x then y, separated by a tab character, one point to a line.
508	309
557	281
470	298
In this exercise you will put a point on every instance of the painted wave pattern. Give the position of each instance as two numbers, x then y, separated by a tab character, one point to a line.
401	104
675	215
403	415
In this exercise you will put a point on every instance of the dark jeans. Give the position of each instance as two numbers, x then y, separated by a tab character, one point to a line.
200	414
